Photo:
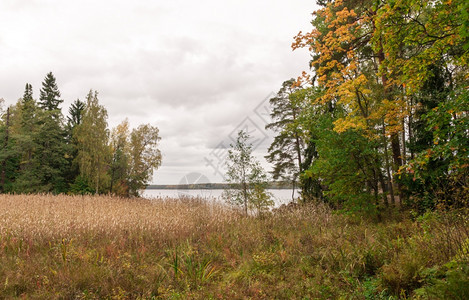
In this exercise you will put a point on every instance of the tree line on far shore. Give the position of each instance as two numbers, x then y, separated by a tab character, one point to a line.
44	152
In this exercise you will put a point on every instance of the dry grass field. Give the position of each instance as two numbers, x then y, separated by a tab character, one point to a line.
75	247
73	216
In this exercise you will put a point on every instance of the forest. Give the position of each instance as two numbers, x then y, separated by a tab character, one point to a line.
382	118
42	152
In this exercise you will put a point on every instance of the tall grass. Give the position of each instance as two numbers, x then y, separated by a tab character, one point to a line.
64	247
72	216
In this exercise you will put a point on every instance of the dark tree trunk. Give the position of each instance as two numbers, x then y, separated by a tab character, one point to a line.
4	163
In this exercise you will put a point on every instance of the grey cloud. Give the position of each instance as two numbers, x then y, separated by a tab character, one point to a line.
194	69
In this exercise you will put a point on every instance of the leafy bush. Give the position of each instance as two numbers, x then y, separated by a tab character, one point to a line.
448	282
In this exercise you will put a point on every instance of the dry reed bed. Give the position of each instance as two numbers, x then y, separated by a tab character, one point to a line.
69	247
47	216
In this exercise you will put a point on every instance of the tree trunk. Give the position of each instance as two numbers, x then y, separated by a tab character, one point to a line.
386	158
298	154
293	190
245	190
404	154
384	188
97	179
395	146
396	154
411	120
245	194
113	171
4	163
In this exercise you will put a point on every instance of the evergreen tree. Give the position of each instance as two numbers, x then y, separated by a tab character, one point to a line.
49	98
28	108
74	119
50	137
28	93
75	113
50	158
285	152
5	152
25	132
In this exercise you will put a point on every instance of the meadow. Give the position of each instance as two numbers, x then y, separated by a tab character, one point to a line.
85	247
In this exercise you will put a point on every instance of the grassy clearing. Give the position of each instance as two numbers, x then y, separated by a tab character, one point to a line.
54	247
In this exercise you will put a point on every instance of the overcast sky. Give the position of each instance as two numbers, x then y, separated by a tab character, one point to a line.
198	70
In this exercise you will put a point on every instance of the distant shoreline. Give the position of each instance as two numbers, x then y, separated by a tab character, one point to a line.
212	186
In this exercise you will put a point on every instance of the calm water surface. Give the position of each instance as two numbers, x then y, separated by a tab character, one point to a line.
280	196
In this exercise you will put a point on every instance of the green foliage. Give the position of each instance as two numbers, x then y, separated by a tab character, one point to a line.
92	137
451	281
75	112
439	174
344	165
8	152
74	119
51	149
28	93
246	177
393	77
39	153
286	150
119	167
81	186
49	95
464	11
260	200
144	157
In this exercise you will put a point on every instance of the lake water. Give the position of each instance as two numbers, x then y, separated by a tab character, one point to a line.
280	196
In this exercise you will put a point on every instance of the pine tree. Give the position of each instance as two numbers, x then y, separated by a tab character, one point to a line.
285	152
50	95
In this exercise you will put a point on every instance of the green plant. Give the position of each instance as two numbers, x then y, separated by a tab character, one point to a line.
448	282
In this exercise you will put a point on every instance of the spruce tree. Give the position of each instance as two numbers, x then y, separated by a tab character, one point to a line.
50	139
28	126
27	180
28	93
51	152
49	98
76	113
74	119
27	108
